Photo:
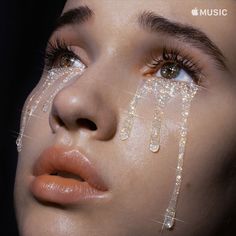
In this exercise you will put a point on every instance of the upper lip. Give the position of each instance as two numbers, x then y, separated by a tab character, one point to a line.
70	162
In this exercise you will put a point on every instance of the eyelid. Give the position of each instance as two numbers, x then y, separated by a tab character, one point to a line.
173	54
58	48
81	54
145	70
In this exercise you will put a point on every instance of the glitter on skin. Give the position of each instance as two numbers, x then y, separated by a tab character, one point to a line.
54	75
163	90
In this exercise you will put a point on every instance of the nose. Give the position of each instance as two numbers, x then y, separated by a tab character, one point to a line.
83	106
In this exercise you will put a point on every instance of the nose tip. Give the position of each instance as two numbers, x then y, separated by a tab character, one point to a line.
69	112
84	110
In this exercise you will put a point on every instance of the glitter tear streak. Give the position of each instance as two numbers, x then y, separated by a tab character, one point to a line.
64	75
187	96
163	90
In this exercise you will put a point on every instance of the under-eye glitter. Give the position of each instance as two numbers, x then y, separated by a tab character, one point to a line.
128	123
33	103
54	75
69	75
163	90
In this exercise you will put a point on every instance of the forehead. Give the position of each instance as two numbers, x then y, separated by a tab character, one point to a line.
118	12
175	9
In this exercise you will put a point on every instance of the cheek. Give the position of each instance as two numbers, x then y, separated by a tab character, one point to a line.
143	127
165	94
209	158
212	135
41	98
36	137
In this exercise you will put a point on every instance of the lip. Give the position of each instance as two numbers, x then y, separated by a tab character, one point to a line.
65	176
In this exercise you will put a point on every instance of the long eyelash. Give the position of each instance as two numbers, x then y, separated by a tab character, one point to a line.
54	50
185	61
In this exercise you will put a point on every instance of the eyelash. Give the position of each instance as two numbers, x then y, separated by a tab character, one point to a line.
59	48
186	62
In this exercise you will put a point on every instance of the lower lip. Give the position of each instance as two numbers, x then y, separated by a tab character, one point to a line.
63	191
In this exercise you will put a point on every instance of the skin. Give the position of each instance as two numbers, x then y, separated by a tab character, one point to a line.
140	182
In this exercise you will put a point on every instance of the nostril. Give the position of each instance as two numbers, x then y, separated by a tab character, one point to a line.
59	121
87	124
80	123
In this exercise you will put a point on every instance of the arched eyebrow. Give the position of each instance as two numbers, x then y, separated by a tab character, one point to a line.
157	24
154	23
74	16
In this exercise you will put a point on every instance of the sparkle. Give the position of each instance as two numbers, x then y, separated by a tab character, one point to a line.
128	123
67	78
54	75
163	90
169	218
187	96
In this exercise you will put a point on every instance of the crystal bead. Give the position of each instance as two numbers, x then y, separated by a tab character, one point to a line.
154	147
169	219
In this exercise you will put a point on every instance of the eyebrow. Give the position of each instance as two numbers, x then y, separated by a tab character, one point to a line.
154	23
188	34
75	16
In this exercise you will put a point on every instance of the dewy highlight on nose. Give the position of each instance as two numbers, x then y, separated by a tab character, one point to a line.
163	90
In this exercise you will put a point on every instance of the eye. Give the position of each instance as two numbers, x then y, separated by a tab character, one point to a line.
59	55
67	60
172	64
171	70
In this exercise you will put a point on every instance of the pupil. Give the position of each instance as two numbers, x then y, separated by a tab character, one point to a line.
66	61
170	70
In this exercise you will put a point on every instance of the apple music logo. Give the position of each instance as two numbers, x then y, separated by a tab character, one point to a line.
209	12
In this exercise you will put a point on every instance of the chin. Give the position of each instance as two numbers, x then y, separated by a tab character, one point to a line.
42	220
46	225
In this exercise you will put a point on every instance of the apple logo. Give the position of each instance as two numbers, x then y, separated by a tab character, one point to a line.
194	11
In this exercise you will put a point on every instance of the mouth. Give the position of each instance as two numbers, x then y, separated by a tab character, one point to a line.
65	176
68	175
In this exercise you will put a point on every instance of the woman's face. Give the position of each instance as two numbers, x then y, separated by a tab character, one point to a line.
76	176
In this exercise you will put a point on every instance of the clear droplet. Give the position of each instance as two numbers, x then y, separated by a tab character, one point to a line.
169	219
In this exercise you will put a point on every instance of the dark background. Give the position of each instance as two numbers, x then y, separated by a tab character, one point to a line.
24	30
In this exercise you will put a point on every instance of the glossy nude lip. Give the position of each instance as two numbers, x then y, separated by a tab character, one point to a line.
65	176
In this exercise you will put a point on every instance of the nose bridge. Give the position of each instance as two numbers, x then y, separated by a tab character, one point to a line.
103	79
106	70
111	71
87	105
